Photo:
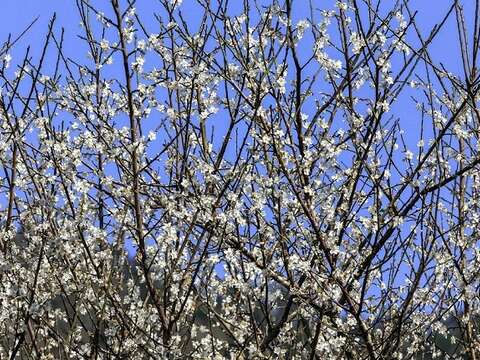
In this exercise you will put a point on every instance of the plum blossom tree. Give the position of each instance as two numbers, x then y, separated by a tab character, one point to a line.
239	184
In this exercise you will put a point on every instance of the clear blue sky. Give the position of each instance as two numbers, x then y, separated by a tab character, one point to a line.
15	15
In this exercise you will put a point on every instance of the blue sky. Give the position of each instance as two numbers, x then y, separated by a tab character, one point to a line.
16	15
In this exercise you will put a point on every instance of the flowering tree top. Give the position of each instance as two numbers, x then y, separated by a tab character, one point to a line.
236	182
